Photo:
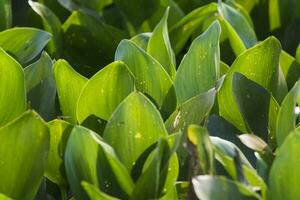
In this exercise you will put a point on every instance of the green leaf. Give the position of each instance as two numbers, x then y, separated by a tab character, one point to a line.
12	88
69	84
94	193
88	158
239	32
200	68
183	29
40	87
136	11
24	150
59	134
286	120
150	184
80	159
227	154
5	14
193	111
220	188
27	43
160	48
199	138
249	95
290	68
150	76
136	135
259	64
51	24
142	40
4	197
104	91
284	175
298	54
86	39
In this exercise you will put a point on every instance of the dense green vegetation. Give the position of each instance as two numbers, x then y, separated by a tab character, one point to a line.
149	99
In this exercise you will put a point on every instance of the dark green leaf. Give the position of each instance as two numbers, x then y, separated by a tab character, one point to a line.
248	95
137	10
5	14
259	64
40	87
89	43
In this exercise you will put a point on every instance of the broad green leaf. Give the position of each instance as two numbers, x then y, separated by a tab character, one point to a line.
136	11
59	134
284	176
69	84
12	88
94	193
239	32
200	68
151	182
193	111
89	43
249	95
220	188
160	48
290	68
40	87
259	64
51	24
24	150
88	158
27	42
199	138
286	120
183	29
80	159
136	135
5	14
150	76
142	40
104	91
